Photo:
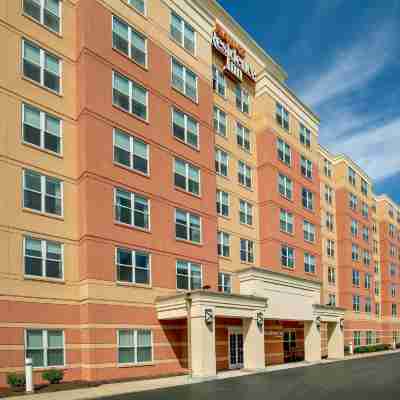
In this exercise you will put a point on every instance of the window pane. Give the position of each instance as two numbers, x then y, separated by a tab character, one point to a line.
138	4
192	135
139	101
176	27
36	356
143	354
143	338
55	339
121	92
177	76
55	357
120	35
126	356
32	8
34	339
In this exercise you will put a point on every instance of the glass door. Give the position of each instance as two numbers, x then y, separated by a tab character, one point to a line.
289	346
235	349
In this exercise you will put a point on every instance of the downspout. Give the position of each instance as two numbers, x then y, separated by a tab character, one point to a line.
189	331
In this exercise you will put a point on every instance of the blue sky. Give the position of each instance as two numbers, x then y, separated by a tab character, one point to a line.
343	60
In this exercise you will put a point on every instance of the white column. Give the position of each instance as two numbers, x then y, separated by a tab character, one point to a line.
29	388
202	344
312	341
335	340
253	344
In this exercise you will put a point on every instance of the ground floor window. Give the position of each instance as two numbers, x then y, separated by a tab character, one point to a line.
357	338
135	346
369	337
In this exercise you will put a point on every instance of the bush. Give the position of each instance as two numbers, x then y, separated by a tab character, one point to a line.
398	345
371	348
53	375
16	380
346	349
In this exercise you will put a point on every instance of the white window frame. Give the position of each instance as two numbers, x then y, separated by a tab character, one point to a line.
355	278
243	133
327	168
306	134
135	341
133	266
247	212
188	214
249	251
41	4
218	159
221	197
286	219
309	203
217	121
189	269
309	232
184	24
285	150
185	119
217	76
282	112
221	235
137	10
188	166
247	174
332	276
356	304
330	248
352	176
224	287
287	186
244	94
288	249
185	69
306	167
311	262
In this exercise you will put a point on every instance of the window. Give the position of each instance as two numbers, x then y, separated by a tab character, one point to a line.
42	193
392	270
131	152
393	291
43	258
392	230
364	187
285	186
356	335
330	248
219	81
129	41
367	281
188	275
331	276
369	335
130	96
375	246
41	129
41	66
307	199
186	176
282	116
309	263
328	194
355	252
244	174
354	228
132	209
222	203
287	256
220	121
331	300
377	309
286	221
45	347
245	212
224	282
366	258
356	278
185	128
365	234
133	266
243	136
394	310
329	222
364	210
374	227
306	167
356	303
284	152
377	288
139	5
46	12
183	33
327	168
392	251
353	202
221	162
305	136
135	346
309	231
242	99
223	244
352	176
246	250
391	211
184	80
187	226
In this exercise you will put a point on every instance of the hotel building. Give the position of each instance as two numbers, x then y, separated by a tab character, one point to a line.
167	206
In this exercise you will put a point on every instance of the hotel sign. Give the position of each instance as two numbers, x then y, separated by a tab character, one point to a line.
235	65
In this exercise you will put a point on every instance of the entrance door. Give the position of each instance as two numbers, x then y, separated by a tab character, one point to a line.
235	348
289	346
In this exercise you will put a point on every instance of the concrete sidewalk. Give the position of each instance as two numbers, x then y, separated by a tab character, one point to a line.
113	389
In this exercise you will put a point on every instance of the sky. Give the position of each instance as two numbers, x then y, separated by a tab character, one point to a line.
343	60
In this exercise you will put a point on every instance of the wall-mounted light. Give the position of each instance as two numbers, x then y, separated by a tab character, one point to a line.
260	319
208	316
341	323
318	322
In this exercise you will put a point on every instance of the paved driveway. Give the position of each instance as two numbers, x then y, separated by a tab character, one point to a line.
375	378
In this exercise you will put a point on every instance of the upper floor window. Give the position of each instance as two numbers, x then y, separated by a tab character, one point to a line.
46	12
287	256
286	221
364	187
282	116
367	309
284	152
187	226
43	258
356	308
224	282
392	230
41	129
130	96
356	278
185	128
305	136
42	193
184	80
138	5
329	223
135	346
394	310
186	176
245	212
392	270
242	99
131	152
219	81
222	203
353	202
391	211
309	231
309	263
220	121
328	194
330	248
307	199
243	136
331	275
285	186
129	41
223	246
364	210
352	176
221	162
188	275
354	228
355	252
332	300
246	250
183	33
306	167
367	281
133	266
244	174
41	66
366	233
327	168
132	209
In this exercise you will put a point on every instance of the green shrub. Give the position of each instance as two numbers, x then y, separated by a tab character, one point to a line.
16	380
346	349
371	348
53	375
398	345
